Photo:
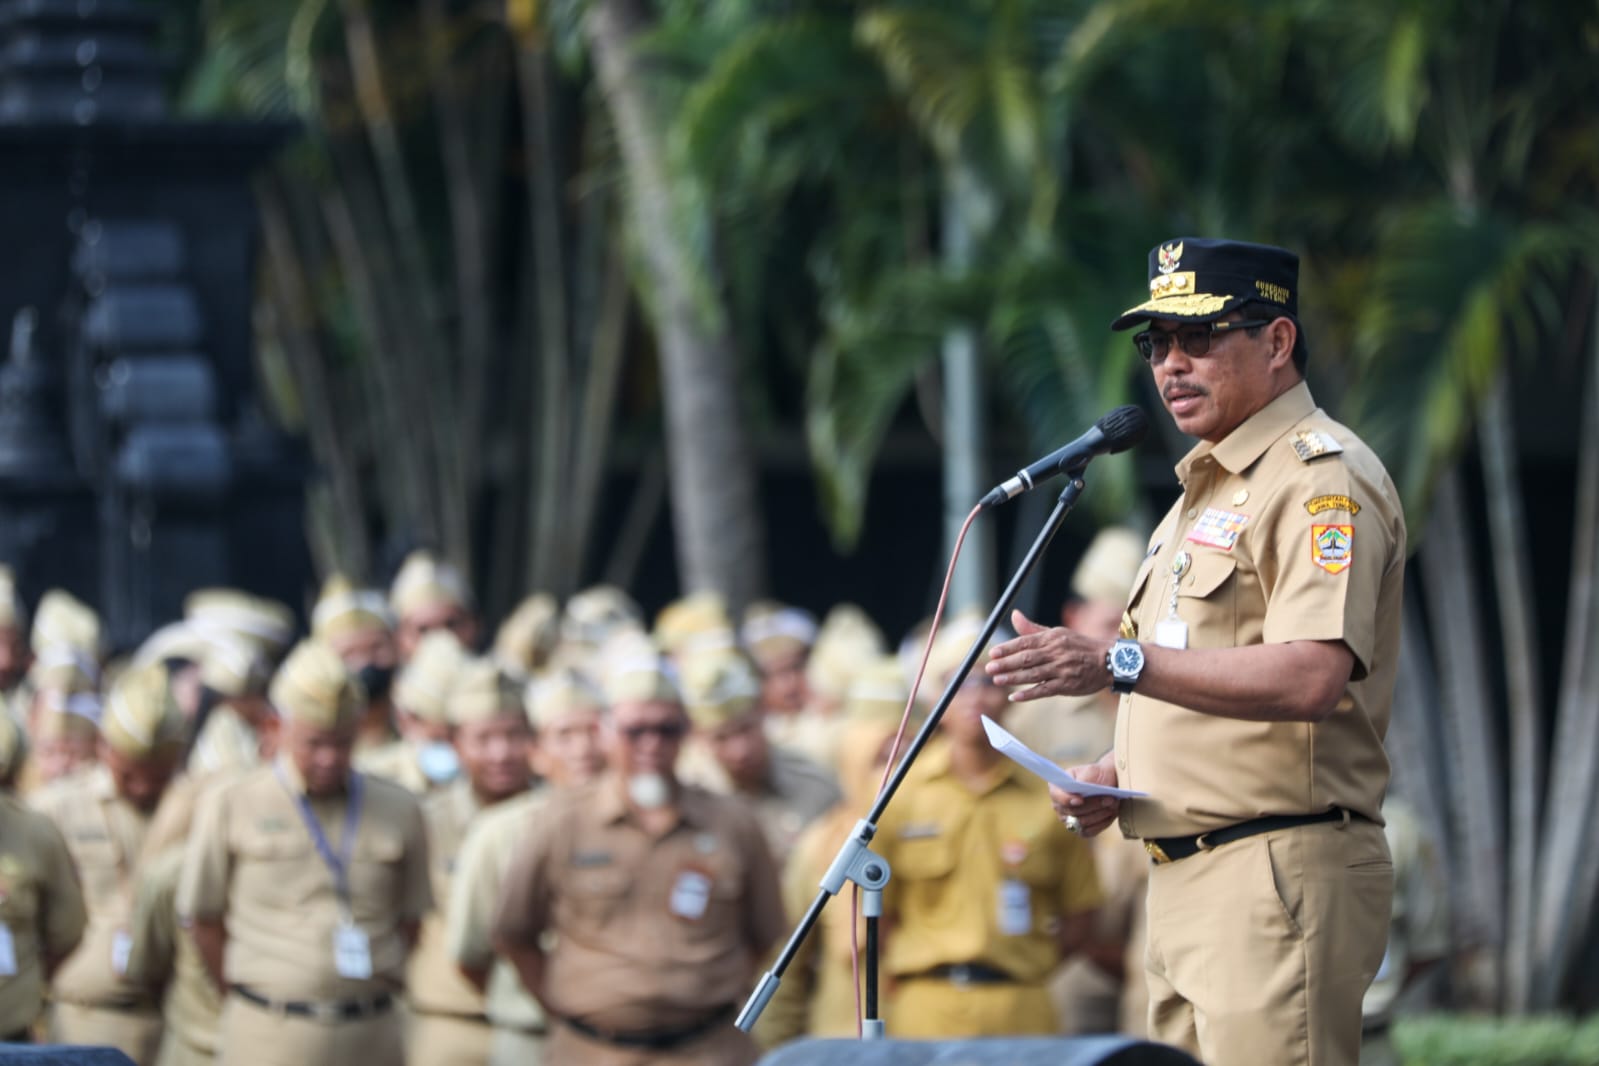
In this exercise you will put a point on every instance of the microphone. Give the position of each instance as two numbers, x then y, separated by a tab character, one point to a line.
1116	432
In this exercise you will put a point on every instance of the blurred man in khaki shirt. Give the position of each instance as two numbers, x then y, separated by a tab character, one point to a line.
1258	665
449	1025
662	898
1096	991
430	595
566	713
304	885
989	892
357	625
104	818
787	791
42	916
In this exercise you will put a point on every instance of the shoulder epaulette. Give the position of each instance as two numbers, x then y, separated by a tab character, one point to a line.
1313	444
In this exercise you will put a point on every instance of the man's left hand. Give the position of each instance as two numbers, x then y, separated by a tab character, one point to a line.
1052	661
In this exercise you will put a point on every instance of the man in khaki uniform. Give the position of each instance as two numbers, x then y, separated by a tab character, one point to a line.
787	791
1094	992
304	885
421	758
779	639
449	1024
526	640
662	899
236	718
104	818
356	624
818	995
566	713
989	891
42	914
1259	657
430	595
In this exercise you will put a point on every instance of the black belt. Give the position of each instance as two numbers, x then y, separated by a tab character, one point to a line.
347	1010
653	1039
967	973
21	1036
1170	849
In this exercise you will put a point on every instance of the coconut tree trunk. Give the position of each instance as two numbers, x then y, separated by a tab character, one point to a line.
712	473
1568	874
1512	568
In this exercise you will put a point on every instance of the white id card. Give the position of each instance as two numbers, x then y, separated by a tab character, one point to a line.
1171	633
691	895
352	952
8	952
1015	908
121	948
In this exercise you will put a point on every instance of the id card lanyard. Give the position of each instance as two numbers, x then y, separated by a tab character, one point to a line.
351	952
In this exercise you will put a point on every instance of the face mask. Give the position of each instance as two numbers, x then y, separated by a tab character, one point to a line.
376	680
438	762
648	791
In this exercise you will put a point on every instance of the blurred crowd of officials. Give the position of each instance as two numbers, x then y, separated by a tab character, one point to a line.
399	841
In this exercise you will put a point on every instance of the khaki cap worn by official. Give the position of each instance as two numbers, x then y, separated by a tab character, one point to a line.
268	623
423	581
564	692
480	690
313	687
847	641
526	639
62	620
1110	565
593	615
773	632
342	608
719	687
692	623
141	717
422	687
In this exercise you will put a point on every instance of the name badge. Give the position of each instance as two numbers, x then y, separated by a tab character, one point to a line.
1171	633
1015	908
352	952
691	895
8	952
121	948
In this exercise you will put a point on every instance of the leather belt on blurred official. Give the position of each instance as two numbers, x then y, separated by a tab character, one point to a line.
654	1039
347	1010
1170	849
966	973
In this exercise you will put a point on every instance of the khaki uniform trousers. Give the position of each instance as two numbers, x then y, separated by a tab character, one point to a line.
723	1046
516	1047
1260	950
136	1033
447	1040
932	1009
254	1036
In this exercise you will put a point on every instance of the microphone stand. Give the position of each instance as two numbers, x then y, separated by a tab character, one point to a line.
856	861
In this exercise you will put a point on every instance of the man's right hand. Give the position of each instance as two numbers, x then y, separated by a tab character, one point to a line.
1093	813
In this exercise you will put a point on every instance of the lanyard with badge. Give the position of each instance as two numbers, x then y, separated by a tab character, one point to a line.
352	951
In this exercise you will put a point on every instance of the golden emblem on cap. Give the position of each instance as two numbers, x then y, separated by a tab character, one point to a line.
1170	256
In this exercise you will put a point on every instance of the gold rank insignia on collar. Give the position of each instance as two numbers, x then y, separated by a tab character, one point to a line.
1310	444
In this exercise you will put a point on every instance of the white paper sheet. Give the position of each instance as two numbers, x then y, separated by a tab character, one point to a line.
1028	759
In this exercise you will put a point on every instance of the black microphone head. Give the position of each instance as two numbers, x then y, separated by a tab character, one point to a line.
1123	428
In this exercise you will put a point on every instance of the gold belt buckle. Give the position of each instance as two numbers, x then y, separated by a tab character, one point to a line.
1157	853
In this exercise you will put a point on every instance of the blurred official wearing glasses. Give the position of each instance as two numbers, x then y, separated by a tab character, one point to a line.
662	898
1256	666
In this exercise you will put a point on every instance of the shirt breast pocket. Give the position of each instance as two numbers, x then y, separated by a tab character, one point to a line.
375	870
279	869
595	896
925	858
1207	600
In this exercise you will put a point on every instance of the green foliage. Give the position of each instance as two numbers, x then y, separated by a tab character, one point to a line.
1466	1040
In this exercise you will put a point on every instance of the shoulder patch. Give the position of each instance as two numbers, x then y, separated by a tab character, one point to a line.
1318	504
1313	444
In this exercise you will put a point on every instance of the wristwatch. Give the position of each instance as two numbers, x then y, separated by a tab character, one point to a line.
1125	661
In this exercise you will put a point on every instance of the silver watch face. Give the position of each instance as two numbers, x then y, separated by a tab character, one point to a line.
1126	659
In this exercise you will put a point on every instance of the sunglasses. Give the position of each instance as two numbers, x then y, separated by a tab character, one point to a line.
664	730
1195	341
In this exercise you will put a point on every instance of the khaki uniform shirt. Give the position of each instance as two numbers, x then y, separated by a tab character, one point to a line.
395	761
480	872
979	877
1066	730
798	791
1290	530
433	982
163	954
651	932
251	861
105	835
41	907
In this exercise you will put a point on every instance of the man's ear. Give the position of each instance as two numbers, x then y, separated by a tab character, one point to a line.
1282	334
